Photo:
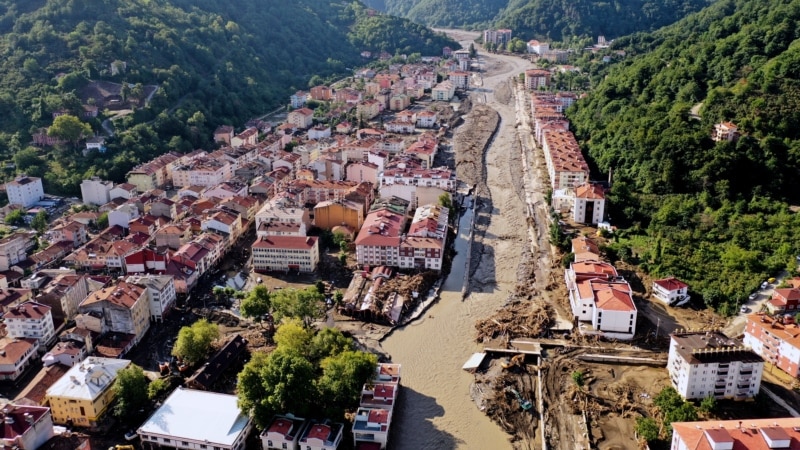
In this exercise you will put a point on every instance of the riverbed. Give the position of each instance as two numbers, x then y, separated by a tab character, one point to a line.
435	410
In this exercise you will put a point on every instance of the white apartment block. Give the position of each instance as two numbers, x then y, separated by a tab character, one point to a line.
160	292
25	191
31	320
13	249
96	191
708	363
202	172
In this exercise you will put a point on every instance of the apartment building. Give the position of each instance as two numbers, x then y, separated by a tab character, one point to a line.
25	191
286	253
31	320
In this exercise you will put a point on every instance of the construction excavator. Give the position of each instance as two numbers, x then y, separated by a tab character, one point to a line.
526	405
515	361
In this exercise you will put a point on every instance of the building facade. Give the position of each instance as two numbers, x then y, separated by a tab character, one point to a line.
286	253
25	191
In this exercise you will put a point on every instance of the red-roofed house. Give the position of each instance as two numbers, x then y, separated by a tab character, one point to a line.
25	427
120	308
282	433
321	436
784	300
372	425
601	300
585	249
31	320
725	131
286	253
670	290
15	356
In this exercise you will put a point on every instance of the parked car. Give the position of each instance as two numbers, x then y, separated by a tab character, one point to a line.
131	435
743	309
764	285
753	296
771	280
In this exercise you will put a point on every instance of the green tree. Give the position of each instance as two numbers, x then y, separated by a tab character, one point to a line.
102	221
292	336
130	390
446	201
577	377
338	297
39	222
646	428
320	287
158	387
343	377
69	128
708	405
15	217
280	382
194	341
329	342
257	302
304	304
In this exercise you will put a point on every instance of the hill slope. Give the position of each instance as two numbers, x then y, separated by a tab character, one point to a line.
227	61
714	213
548	19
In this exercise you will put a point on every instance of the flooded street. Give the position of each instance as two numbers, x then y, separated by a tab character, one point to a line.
435	410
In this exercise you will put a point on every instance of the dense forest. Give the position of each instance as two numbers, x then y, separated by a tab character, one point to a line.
556	20
717	214
214	61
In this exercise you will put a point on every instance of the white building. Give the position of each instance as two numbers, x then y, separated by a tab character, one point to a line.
601	301
160	292
443	91
670	290
750	434
537	47
31	320
193	419
96	191
26	427
321	436
282	433
372	425
25	191
708	363
123	215
285	253
590	204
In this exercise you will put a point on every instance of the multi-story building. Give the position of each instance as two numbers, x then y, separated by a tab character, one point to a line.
286	253
750	434
784	301
302	118
298	99
14	248
193	419
72	231
589	205
601	301
709	364
497	37
378	242
321	93
202	172
725	132
26	427
63	294
333	213
460	79
368	109
16	355
775	339
120	308
565	163
160	292
536	79
31	320
25	191
374	416
537	47
156	173
83	394
95	191
443	91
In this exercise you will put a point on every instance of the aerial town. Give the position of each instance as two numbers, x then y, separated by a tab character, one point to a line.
370	198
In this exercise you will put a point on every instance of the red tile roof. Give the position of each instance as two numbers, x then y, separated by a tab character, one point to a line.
671	283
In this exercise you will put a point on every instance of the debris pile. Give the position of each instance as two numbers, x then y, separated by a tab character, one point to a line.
518	319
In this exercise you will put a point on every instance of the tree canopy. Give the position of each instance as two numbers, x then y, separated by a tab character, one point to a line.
194	341
257	302
69	128
309	373
130	390
714	214
305	304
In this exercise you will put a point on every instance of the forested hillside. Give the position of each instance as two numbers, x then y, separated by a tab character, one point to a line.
548	19
715	214
215	61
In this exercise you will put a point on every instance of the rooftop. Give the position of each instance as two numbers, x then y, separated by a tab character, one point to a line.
88	379
749	434
710	346
199	416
